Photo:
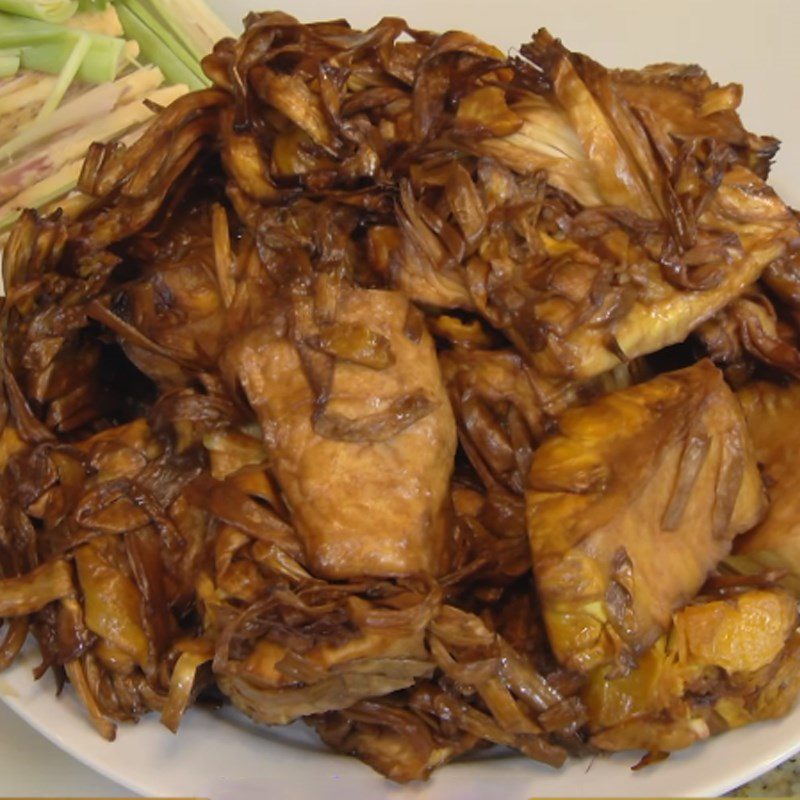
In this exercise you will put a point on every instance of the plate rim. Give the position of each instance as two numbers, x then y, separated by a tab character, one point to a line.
19	679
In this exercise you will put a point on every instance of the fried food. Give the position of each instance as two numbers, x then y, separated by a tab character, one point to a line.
737	651
364	461
630	506
771	412
368	388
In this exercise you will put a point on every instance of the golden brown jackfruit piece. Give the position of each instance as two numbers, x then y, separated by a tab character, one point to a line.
772	412
724	663
630	506
673	217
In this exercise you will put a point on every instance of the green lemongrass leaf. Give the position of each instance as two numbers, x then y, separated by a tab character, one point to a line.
21	32
192	22
176	64
164	34
65	78
101	63
46	48
45	10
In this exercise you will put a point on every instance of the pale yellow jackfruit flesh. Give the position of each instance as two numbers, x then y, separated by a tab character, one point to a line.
631	504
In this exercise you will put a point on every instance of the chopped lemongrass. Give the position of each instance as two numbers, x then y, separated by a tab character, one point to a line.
31	89
86	108
47	48
130	52
37	164
45	10
55	191
54	186
165	33
9	64
65	78
14	123
21	32
9	86
192	22
102	61
175	62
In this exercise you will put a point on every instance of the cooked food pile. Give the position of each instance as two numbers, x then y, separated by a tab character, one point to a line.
439	398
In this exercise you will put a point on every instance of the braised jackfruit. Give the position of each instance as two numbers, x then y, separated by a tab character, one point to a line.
631	504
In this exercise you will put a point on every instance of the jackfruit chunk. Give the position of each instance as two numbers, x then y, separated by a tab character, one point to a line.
631	504
773	414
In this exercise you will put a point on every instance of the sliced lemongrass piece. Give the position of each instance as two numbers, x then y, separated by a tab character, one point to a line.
65	78
47	48
22	32
174	60
60	183
164	33
192	22
45	10
86	108
42	161
130	53
33	90
101	63
13	86
92	5
58	190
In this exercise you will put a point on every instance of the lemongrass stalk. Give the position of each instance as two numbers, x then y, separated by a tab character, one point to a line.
42	161
7	81
45	10
101	63
54	191
21	32
164	33
86	108
32	90
9	64
103	21
14	123
45	191
47	48
11	86
65	78
175	62
192	22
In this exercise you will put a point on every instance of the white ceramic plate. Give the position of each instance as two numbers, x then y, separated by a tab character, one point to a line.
222	756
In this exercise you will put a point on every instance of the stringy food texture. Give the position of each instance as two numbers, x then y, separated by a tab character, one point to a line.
388	384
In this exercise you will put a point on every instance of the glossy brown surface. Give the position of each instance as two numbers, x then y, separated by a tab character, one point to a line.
631	504
771	412
364	502
371	388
